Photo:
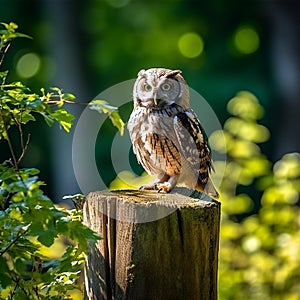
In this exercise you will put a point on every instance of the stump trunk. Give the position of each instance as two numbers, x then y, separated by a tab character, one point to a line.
154	246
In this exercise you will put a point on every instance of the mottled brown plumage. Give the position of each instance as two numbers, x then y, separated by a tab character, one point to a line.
167	137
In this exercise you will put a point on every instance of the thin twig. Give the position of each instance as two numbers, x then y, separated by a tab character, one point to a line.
54	102
6	201
3	53
15	288
17	281
24	148
11	149
14	240
20	132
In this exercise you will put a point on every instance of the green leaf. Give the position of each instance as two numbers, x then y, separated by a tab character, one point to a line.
5	280
47	238
117	121
103	106
10	32
31	171
33	102
7	173
11	26
3	75
55	89
26	117
68	97
18	34
19	265
48	119
64	118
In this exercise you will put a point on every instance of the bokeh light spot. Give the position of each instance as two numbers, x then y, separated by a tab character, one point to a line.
246	40
190	45
251	244
28	65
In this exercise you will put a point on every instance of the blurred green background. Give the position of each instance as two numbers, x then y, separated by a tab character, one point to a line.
222	47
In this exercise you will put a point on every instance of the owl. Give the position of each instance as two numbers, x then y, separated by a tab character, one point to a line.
167	137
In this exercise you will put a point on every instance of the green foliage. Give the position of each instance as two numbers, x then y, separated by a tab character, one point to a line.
259	253
9	33
103	106
30	223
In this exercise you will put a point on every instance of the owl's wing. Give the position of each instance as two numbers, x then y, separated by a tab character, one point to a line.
194	145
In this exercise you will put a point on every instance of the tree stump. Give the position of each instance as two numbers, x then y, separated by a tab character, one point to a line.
155	245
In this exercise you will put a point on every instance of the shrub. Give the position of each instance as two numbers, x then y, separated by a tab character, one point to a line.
33	265
260	237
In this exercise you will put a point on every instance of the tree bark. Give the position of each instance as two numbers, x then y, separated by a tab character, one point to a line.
154	246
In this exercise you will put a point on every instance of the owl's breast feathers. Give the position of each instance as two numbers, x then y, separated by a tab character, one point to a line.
154	140
171	140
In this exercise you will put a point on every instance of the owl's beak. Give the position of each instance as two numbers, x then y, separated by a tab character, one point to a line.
155	100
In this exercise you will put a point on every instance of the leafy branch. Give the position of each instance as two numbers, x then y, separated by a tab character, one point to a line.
7	35
259	228
29	220
20	233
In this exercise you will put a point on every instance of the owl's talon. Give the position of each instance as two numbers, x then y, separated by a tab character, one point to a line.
148	187
164	187
160	190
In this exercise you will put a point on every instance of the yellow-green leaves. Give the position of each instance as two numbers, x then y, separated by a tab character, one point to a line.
249	131
103	106
259	210
18	106
288	167
245	105
9	33
29	220
64	118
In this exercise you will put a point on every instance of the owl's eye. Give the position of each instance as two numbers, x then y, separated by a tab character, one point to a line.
166	86
147	87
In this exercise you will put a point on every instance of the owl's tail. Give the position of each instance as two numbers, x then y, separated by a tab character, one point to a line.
210	189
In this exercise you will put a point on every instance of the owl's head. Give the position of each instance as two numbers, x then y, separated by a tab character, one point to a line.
158	88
